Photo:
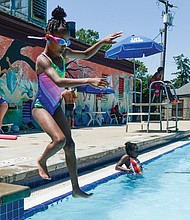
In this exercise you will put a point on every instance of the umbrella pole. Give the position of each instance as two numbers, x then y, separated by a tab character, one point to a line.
135	85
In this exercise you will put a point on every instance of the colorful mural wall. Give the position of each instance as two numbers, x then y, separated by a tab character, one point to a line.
18	82
85	68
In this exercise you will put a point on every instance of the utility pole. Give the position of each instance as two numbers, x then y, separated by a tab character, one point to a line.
167	20
161	34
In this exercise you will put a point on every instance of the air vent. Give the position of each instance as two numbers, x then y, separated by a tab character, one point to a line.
38	10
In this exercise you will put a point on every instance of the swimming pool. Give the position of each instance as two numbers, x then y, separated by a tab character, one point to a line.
162	193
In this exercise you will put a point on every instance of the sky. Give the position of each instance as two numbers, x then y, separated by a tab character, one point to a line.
137	17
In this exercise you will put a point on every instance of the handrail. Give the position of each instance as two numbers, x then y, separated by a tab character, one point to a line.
164	86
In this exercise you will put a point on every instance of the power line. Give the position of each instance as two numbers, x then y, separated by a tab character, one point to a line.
157	36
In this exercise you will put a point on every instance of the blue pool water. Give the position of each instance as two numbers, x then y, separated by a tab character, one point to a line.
162	193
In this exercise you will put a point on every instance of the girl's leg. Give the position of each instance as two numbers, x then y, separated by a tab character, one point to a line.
49	125
3	109
70	154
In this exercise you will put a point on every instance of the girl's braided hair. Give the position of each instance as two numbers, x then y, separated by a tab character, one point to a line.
57	20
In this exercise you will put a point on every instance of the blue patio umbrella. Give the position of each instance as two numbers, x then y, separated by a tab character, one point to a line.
92	90
133	47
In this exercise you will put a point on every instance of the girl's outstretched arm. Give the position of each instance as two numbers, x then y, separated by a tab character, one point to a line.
94	48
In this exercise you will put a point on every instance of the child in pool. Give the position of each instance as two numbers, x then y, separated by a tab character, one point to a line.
47	111
132	164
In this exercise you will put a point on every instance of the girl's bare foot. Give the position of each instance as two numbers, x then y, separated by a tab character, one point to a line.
42	169
79	193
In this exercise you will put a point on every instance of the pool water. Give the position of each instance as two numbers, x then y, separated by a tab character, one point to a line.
163	192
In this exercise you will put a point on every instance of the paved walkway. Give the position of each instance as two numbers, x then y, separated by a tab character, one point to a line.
18	157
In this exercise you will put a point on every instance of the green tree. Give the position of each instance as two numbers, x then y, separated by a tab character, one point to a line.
141	69
141	73
183	71
89	37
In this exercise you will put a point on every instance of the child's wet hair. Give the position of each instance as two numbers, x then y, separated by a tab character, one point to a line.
57	20
129	146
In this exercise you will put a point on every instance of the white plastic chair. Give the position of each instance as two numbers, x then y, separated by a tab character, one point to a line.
112	118
124	119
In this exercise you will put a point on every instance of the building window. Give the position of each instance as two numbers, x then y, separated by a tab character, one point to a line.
104	98
5	5
180	110
21	9
121	87
17	8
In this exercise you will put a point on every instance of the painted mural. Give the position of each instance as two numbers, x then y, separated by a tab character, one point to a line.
91	102
17	75
18	81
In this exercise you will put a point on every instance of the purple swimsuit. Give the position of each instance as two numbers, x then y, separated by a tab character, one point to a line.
49	94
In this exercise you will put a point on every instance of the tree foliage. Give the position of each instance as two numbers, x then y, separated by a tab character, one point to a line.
183	71
141	73
141	69
89	37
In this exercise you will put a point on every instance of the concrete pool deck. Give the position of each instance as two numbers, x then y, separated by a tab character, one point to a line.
55	191
93	144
